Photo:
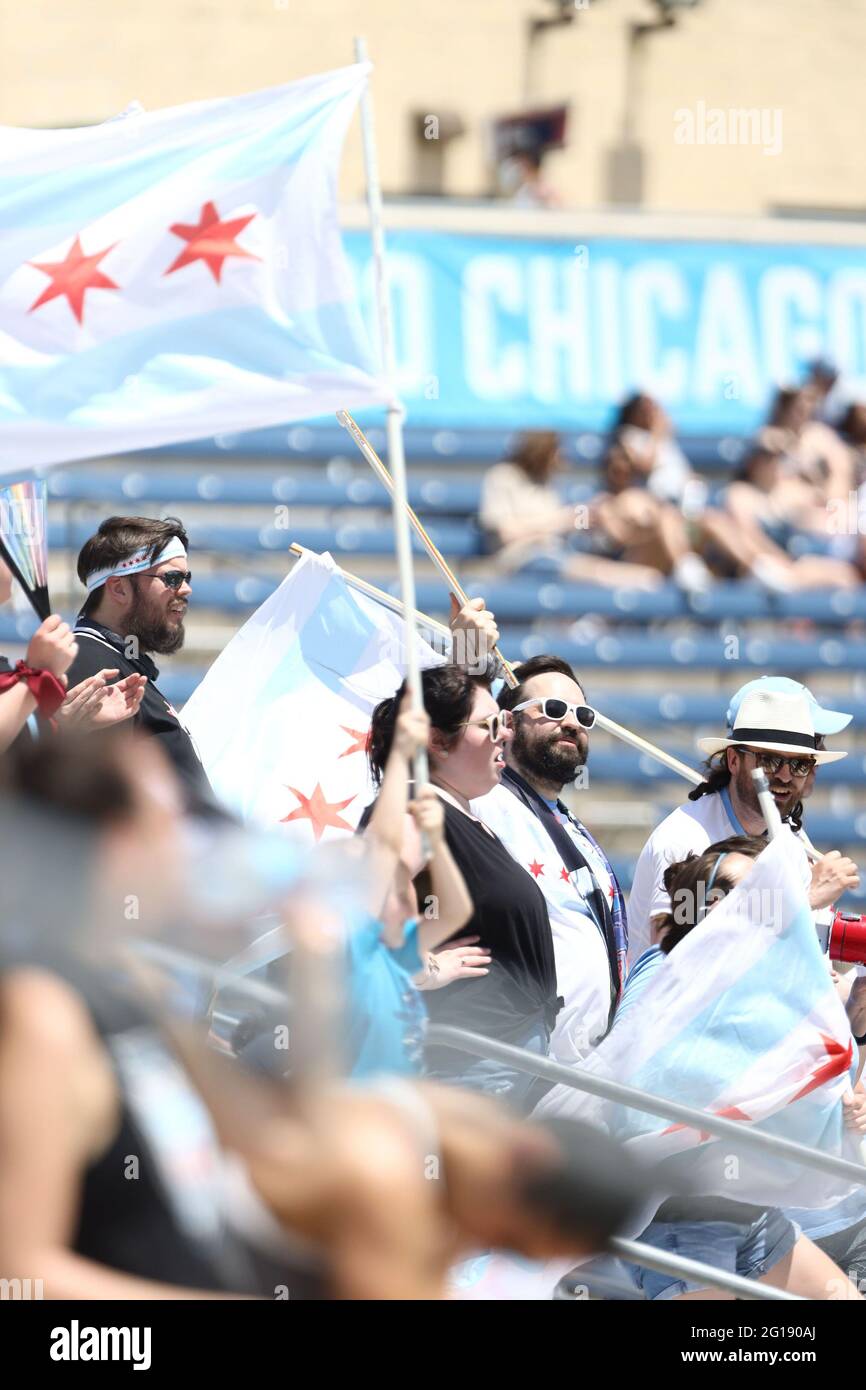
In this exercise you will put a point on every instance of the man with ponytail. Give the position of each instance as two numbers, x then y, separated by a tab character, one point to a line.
774	724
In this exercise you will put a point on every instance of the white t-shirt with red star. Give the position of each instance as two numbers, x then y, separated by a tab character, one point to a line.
582	968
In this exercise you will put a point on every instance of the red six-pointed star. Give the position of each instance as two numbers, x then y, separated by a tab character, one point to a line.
564	874
73	276
361	737
319	812
536	869
211	240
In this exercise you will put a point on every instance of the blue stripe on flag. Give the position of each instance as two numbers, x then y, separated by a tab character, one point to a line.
167	359
90	190
337	636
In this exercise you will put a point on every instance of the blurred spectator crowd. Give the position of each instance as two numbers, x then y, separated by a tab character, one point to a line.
789	519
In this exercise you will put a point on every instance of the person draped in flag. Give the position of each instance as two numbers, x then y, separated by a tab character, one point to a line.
137	576
516	1001
739	1237
548	749
777	729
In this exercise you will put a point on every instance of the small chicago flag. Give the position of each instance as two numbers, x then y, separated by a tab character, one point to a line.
176	274
281	719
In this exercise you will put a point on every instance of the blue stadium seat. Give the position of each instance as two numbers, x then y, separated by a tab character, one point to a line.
687	708
444	497
624	764
628	647
424	445
455	539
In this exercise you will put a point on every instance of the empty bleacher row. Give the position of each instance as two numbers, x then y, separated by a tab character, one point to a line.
664	663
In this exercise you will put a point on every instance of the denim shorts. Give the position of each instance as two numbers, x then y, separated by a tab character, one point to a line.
520	1089
749	1249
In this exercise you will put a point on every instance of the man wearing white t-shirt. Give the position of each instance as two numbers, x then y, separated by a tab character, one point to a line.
584	902
773	727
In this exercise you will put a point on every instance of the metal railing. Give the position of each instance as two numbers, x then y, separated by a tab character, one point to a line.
442	1035
636	1252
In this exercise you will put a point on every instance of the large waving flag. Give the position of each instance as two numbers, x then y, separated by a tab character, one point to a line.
741	1021
176	274
281	719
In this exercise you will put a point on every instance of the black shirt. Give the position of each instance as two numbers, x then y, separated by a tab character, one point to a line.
511	919
98	648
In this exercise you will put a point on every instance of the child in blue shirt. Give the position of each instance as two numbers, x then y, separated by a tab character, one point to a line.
392	946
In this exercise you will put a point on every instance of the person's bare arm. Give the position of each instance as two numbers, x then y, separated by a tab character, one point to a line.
58	1110
832	875
16	706
451	901
560	522
385	832
856	1011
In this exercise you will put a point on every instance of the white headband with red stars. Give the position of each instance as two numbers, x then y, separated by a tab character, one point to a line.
133	564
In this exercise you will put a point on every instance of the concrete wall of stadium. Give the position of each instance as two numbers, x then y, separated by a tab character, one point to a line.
795	64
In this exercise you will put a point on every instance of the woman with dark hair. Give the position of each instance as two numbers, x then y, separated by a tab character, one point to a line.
516	1001
644	429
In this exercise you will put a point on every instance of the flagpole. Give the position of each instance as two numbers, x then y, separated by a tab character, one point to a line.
394	415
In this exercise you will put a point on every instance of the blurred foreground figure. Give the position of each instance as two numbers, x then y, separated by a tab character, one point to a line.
137	1164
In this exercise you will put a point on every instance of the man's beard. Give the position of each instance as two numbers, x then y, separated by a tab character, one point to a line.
153	632
546	760
748	794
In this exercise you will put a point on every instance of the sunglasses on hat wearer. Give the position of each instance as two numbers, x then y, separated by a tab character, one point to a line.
555	709
771	762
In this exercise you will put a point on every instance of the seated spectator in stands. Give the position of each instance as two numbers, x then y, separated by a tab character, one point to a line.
812	450
634	539
645	429
649	530
829	392
516	1001
766	512
739	1238
852	427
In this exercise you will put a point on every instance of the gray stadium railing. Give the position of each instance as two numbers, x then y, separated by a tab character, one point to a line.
462	1040
636	1252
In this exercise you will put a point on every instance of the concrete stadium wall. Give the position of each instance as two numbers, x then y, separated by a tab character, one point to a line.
796	63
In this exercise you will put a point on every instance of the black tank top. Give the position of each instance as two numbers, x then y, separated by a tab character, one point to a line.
511	919
151	1205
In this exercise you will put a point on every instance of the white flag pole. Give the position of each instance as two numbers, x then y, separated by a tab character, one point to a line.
394	418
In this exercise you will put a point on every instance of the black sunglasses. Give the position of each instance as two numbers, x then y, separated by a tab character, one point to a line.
771	762
172	579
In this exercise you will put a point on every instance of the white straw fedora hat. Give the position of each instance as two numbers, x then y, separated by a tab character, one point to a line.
776	723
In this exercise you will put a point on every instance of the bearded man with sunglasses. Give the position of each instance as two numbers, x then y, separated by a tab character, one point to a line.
779	729
550	723
137	576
